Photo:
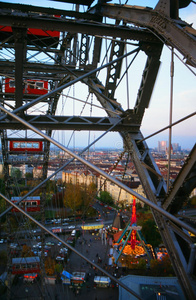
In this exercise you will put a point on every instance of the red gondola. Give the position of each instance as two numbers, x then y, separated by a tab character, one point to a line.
32	87
40	37
30	204
26	146
25	265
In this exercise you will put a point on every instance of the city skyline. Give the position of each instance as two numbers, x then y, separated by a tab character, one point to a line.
176	147
115	140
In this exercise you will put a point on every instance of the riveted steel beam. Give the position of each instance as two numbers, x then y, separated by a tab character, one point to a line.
171	31
183	184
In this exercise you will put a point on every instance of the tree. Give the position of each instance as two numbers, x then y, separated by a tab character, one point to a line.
59	268
138	206
29	175
15	172
59	182
58	199
26	251
51	186
106	198
154	266
92	188
150	232
122	204
49	266
73	196
23	193
2	205
162	267
142	264
58	271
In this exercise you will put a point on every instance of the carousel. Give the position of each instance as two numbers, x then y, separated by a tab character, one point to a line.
129	241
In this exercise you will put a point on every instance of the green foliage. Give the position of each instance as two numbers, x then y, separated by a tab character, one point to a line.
51	186
150	232
48	199
161	267
16	173
29	175
72	197
92	188
106	198
122	204
49	214
90	212
59	268
78	197
142	264
133	263
146	207
138	206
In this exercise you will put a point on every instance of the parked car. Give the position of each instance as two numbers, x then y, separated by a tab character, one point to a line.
72	227
59	258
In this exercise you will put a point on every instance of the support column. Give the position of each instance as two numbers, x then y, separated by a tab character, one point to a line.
20	55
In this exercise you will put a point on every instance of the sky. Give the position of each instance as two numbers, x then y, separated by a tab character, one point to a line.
157	115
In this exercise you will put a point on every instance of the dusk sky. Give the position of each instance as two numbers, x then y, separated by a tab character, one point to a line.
157	115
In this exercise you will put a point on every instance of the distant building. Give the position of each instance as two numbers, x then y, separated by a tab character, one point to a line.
56	177
117	193
26	169
176	147
79	177
38	172
162	146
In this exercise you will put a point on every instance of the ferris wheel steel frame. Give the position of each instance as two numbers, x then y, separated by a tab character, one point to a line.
167	30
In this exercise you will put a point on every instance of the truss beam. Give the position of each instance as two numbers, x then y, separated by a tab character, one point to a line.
113	71
20	55
73	123
51	11
183	185
77	26
147	84
171	31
